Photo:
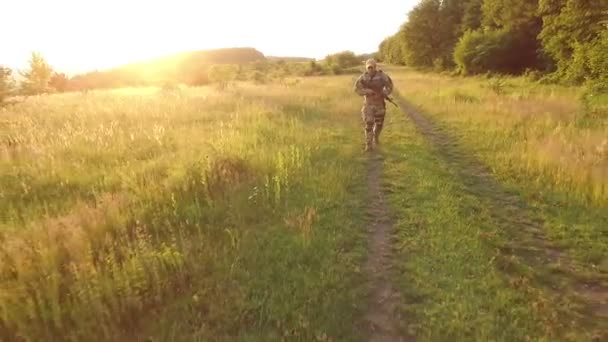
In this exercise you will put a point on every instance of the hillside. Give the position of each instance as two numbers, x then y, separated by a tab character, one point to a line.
289	59
187	67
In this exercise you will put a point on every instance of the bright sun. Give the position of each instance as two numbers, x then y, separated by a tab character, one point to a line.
83	35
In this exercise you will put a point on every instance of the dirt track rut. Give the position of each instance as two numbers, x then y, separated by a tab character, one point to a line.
382	320
512	214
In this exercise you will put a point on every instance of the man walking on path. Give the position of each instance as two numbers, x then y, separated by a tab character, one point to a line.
375	86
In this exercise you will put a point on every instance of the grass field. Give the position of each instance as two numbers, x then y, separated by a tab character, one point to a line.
525	253
241	207
542	141
243	213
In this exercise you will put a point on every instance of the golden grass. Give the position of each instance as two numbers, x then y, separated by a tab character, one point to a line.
542	131
115	202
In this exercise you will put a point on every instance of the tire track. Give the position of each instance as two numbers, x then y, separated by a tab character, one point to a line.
382	321
511	213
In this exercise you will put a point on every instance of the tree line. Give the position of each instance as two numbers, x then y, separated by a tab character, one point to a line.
559	40
195	68
37	79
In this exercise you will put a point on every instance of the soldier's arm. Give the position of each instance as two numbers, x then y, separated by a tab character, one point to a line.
388	85
359	89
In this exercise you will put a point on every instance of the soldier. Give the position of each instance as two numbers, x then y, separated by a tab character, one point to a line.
375	86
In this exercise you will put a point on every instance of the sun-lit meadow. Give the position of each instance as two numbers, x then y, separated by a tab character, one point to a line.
548	142
469	267
182	213
239	212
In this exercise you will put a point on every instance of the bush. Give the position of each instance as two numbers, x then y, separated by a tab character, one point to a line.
478	52
589	63
598	63
504	51
533	75
342	60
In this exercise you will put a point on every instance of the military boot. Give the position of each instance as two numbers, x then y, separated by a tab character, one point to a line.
376	140
376	137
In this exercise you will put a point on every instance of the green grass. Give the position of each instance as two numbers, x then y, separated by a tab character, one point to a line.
239	213
457	283
541	141
181	214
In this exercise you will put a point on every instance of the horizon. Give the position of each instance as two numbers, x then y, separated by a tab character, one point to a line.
81	37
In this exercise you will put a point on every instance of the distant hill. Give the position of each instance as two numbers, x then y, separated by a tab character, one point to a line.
188	67
289	59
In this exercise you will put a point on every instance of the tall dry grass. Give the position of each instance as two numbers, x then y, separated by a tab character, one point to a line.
544	132
118	203
545	142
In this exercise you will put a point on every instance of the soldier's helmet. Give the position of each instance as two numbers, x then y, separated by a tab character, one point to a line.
370	63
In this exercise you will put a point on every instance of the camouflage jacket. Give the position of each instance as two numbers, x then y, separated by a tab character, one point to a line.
380	83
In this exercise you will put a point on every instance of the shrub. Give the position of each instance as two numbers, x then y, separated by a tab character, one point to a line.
504	51
342	60
481	51
598	63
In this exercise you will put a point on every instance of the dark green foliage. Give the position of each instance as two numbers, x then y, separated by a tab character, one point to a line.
392	49
598	58
478	51
422	37
508	51
521	25
509	13
566	25
590	63
504	36
471	19
431	32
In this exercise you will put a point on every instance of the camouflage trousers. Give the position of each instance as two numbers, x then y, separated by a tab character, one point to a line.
373	118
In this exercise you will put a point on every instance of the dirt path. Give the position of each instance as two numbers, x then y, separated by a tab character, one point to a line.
527	239
382	320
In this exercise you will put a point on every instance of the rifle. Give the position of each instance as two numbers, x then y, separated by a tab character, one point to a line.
391	101
379	91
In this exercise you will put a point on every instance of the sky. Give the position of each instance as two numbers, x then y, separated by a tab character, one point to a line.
83	35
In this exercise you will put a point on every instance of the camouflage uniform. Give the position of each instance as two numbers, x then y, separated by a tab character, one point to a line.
374	108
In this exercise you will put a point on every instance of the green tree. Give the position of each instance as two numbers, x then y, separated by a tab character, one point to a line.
598	62
509	13
38	76
432	30
6	83
391	50
481	51
521	20
451	13
422	38
471	18
566	25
